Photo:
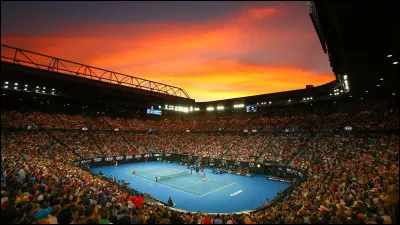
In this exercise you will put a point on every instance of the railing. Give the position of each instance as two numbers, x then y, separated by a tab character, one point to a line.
49	63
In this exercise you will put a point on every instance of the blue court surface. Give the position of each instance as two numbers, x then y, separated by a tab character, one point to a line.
221	193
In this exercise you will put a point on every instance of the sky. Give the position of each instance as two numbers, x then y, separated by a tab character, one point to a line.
212	50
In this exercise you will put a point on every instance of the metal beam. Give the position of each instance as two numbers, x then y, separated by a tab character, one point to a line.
51	63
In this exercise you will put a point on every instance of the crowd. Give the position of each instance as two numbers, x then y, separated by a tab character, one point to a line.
362	121
350	179
79	142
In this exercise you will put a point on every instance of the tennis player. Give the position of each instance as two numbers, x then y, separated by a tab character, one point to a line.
133	173
204	178
116	164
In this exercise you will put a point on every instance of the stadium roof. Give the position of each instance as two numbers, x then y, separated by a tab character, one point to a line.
361	39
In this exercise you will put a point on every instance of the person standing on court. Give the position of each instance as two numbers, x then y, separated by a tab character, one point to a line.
170	203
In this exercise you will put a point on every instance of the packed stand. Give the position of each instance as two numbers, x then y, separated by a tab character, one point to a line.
80	142
112	143
15	119
283	147
353	181
249	148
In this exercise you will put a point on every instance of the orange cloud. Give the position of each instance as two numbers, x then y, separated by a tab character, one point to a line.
243	53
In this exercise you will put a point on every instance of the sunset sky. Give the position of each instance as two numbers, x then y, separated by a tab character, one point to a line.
213	50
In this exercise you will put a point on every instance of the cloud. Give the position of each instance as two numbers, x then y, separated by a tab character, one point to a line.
246	52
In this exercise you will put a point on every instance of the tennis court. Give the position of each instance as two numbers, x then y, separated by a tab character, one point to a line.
221	193
184	181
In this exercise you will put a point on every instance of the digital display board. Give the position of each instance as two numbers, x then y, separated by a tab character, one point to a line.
154	112
154	109
251	108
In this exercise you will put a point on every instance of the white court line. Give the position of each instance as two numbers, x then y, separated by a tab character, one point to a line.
173	187
152	171
226	181
193	184
217	190
165	169
182	187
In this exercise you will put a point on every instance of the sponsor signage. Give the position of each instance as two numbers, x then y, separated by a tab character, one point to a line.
86	161
251	164
129	157
119	157
109	159
236	193
278	179
98	159
295	172
348	128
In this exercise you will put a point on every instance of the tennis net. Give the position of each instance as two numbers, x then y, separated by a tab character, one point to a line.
172	175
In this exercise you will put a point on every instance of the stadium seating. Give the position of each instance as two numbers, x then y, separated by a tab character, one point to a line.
351	177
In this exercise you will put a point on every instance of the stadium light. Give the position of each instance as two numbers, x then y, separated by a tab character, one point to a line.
44	87
290	100
270	102
239	106
15	87
220	107
351	96
196	109
26	85
389	56
304	99
25	89
366	91
330	94
210	108
16	84
395	63
5	86
345	77
378	85
6	82
381	78
393	93
310	98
